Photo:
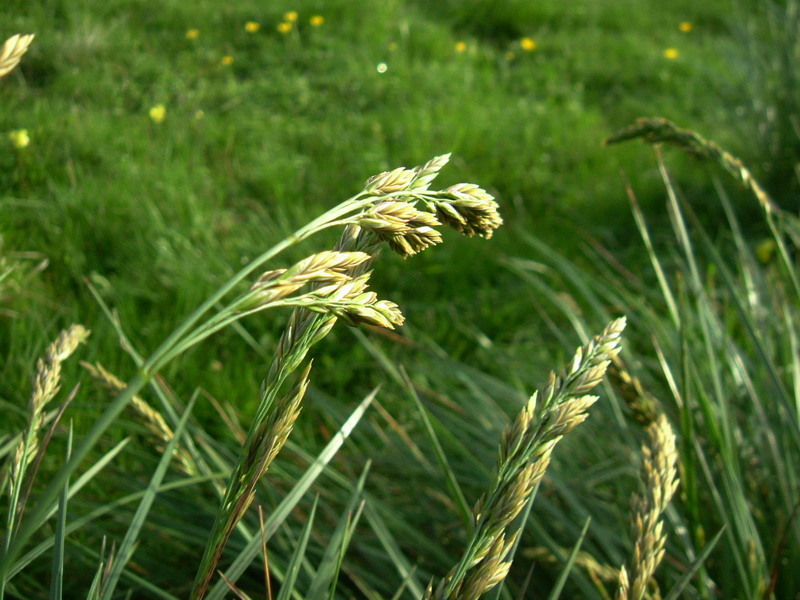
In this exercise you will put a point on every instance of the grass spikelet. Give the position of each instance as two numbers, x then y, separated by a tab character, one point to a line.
660	480
425	174
12	51
469	209
523	457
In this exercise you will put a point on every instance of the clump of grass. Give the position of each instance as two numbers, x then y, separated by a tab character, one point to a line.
395	207
716	323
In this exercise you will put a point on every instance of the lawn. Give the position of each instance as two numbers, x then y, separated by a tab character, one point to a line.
167	146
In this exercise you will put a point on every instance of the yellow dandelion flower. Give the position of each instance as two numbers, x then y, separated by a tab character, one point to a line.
199	114
192	34
19	138
227	60
461	47
158	113
527	44
686	27
252	27
290	16
316	20
284	27
510	55
671	53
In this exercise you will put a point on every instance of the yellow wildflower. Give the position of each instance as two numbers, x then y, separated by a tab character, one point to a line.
685	27
316	20
199	114
158	113
290	17
227	60
252	27
461	47
671	53
284	27
19	138
192	34
527	44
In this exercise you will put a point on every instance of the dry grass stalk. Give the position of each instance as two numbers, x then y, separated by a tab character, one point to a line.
523	457
12	51
153	419
660	480
338	278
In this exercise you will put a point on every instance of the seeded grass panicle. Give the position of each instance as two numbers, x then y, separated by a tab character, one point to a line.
338	281
524	455
30	448
12	51
660	480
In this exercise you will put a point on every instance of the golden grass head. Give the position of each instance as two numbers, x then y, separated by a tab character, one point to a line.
12	51
469	209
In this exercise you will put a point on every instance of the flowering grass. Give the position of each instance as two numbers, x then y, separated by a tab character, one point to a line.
102	210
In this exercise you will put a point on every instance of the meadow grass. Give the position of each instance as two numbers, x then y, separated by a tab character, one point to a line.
153	167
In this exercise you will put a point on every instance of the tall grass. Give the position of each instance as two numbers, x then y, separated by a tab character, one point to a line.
715	327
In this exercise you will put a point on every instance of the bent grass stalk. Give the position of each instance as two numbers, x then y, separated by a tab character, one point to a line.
657	131
338	278
524	455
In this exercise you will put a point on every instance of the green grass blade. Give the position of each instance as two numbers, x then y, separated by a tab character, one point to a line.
57	573
555	593
330	564
693	568
450	477
392	548
283	510
76	524
127	546
297	557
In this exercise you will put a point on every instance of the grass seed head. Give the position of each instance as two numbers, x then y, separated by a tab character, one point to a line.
12	51
425	174
387	182
469	209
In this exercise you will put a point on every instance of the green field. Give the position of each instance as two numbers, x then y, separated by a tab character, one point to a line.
168	145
